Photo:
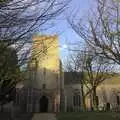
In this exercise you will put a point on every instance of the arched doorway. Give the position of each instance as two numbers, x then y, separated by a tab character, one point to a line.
43	104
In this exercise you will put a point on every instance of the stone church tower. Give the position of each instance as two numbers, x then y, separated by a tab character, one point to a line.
45	55
45	74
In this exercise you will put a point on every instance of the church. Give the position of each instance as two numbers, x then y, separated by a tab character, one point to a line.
48	89
45	80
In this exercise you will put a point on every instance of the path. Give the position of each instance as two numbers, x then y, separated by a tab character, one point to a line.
44	116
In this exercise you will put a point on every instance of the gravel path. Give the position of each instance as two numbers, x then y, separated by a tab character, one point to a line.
44	116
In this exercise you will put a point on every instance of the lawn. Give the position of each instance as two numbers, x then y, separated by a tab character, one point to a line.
21	116
89	116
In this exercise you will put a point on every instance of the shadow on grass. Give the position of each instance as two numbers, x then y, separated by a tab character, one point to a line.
89	116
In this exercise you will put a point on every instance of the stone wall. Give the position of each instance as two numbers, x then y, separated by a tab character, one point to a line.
29	99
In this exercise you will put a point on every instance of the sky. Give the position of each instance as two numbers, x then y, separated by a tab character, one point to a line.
62	28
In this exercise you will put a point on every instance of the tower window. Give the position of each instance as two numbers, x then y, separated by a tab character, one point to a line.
44	72
44	86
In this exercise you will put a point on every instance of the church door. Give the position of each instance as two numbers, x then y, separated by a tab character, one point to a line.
43	104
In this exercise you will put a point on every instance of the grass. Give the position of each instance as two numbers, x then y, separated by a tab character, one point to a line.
89	116
22	116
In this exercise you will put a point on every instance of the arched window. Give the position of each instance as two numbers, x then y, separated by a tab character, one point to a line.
76	100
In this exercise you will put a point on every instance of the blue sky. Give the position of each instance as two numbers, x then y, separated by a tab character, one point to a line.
63	29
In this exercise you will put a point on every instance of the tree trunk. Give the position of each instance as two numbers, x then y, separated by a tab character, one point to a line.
94	99
83	98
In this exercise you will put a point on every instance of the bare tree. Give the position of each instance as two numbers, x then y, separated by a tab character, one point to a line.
95	70
101	30
20	19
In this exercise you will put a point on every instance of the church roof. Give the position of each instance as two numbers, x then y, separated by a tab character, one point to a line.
75	77
71	78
